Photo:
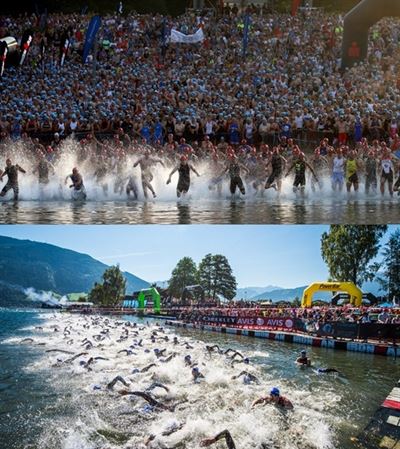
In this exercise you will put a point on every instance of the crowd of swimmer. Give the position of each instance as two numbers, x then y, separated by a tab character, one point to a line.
244	167
110	345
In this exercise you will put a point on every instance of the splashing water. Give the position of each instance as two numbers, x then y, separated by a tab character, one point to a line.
84	414
106	198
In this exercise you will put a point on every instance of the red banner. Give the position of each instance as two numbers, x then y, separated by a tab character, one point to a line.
249	322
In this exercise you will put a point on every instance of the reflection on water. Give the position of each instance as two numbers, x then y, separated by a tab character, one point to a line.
238	211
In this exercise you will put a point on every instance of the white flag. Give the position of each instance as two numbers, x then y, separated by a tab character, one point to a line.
177	36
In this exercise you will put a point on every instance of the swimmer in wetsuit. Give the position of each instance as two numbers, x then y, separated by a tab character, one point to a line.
197	375
300	165
327	371
276	399
248	378
224	434
184	169
11	171
278	163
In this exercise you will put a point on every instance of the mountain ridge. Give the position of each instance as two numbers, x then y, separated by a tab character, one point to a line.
47	267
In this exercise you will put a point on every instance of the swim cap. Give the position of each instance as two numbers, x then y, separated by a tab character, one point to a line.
275	391
195	369
303	351
246	360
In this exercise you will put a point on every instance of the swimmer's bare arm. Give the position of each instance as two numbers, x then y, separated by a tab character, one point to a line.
311	170
137	163
21	169
260	401
173	171
159	161
193	170
243	167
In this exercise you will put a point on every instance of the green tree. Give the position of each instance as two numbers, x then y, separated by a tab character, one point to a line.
296	302
390	278
185	273
216	277
348	251
111	291
206	272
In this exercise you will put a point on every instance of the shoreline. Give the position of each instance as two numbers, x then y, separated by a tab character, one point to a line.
301	339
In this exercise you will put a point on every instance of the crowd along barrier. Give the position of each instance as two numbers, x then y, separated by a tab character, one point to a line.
333	329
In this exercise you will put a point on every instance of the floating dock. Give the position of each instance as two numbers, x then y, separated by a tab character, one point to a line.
383	431
301	339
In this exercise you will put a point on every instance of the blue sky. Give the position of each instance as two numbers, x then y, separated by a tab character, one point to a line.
282	255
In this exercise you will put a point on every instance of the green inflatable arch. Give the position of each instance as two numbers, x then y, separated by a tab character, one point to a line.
153	295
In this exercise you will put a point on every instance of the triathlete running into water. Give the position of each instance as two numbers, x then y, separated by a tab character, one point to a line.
352	167
146	163
300	165
77	183
234	168
184	169
12	182
278	163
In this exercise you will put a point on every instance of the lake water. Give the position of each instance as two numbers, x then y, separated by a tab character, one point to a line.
48	402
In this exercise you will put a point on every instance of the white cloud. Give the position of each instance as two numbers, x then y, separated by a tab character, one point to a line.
119	256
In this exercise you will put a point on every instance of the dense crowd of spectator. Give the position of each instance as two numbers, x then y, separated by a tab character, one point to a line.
312	318
288	84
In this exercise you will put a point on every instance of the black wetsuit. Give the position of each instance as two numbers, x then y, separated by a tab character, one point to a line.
370	173
184	178
12	182
300	174
277	167
236	180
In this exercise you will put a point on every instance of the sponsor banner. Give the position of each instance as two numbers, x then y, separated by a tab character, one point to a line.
379	331
177	36
336	329
285	323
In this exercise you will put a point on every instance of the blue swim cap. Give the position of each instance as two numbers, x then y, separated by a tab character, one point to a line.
275	391
246	360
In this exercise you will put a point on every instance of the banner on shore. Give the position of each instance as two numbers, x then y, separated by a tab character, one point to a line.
338	329
284	323
178	37
90	37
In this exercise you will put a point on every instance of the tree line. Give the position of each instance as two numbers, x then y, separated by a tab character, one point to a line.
349	251
351	254
213	273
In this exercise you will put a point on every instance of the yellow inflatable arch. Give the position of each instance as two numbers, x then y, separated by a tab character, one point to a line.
348	287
